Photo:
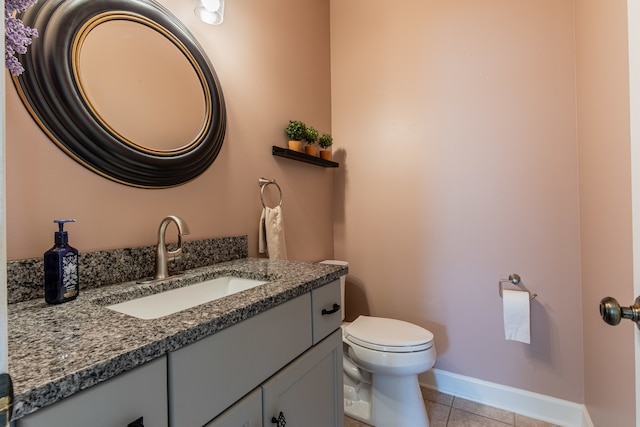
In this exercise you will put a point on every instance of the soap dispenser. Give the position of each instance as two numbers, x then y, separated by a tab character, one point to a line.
61	268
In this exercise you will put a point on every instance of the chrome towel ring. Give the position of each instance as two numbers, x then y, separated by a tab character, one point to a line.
263	182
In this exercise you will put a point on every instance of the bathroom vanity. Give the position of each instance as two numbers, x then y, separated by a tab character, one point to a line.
265	356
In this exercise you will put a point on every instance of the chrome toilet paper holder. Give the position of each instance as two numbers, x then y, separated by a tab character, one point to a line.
514	279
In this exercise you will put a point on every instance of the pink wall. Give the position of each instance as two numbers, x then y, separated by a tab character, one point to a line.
605	206
455	123
458	125
273	66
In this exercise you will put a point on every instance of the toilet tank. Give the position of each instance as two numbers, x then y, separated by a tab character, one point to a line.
342	280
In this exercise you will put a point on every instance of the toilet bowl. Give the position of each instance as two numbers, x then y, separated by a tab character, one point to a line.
381	362
388	354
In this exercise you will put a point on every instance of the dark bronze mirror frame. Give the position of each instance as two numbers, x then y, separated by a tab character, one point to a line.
50	90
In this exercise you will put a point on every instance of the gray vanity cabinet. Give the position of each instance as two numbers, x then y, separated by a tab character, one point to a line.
286	360
117	402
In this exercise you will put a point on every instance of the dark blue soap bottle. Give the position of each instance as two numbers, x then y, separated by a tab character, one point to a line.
61	268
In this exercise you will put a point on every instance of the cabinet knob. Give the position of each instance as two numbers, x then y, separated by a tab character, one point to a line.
280	421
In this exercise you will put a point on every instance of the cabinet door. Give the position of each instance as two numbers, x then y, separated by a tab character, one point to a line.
308	392
117	402
246	413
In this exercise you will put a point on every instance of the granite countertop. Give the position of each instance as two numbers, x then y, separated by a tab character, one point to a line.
58	350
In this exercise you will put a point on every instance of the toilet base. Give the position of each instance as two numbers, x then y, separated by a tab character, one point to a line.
397	401
392	401
357	405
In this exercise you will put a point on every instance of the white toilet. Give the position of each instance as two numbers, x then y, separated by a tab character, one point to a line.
382	359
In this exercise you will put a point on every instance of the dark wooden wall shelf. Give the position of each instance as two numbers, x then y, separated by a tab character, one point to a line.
302	157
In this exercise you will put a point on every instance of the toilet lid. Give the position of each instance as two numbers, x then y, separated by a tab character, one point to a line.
388	335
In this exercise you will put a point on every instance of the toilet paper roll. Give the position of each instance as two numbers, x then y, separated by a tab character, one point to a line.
516	308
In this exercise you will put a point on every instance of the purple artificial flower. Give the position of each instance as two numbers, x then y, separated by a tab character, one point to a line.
16	36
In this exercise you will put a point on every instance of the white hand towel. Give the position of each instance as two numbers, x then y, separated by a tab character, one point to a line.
262	233
274	241
516	313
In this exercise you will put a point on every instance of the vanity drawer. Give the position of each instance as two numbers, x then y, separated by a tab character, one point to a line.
327	310
208	376
119	401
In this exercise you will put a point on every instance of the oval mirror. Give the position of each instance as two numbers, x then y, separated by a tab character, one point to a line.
124	89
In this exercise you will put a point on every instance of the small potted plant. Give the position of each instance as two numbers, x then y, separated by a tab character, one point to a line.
311	138
296	131
325	142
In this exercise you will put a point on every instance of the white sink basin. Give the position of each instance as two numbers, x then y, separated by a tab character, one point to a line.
175	300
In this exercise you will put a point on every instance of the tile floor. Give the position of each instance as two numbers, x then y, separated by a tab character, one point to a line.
448	411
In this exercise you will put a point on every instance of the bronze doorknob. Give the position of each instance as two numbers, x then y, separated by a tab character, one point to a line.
612	313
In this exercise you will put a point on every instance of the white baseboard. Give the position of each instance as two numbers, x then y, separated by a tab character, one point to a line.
586	418
534	405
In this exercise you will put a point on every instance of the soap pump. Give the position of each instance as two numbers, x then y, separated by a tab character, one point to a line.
61	268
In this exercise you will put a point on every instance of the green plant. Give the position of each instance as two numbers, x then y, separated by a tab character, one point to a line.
311	135
296	130
325	141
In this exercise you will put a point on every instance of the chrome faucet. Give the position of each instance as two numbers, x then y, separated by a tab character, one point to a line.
163	256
